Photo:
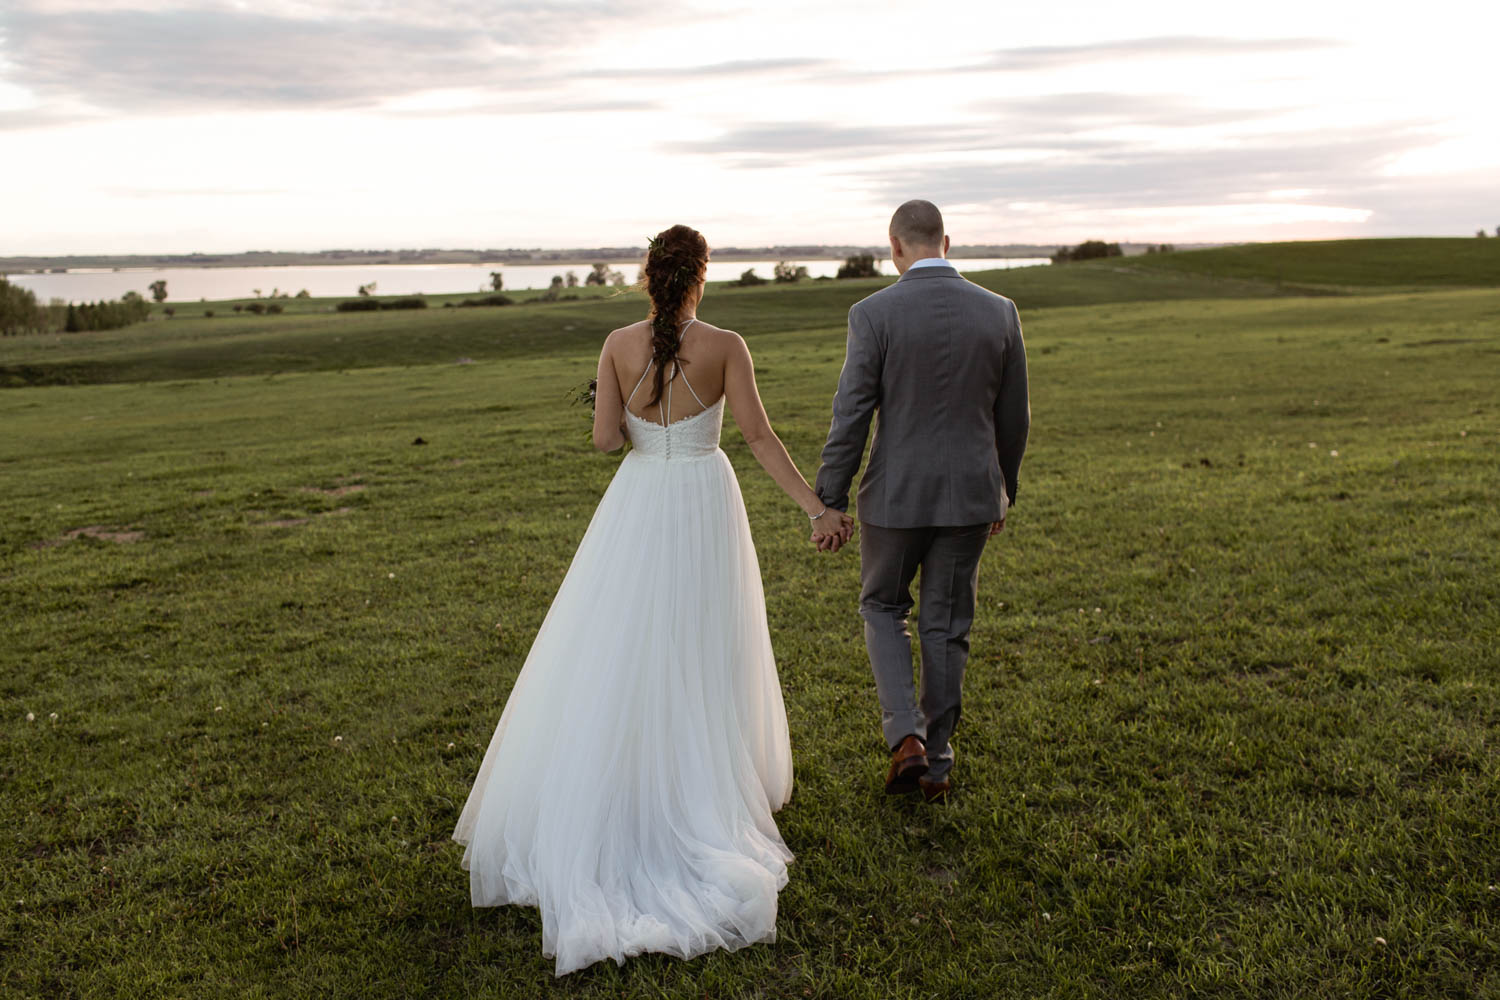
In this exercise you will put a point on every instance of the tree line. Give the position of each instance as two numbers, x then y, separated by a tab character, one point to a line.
21	313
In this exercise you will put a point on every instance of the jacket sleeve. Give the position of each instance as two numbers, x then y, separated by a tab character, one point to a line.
853	406
1012	409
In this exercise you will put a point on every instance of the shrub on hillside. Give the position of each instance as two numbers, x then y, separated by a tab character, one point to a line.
786	272
258	308
412	302
861	265
358	305
1087	250
274	307
488	300
749	279
602	275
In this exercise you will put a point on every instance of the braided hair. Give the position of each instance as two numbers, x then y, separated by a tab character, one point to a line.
676	260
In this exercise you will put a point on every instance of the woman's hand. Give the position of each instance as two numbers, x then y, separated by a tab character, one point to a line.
832	531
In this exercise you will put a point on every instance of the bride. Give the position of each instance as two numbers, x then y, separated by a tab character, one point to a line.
628	789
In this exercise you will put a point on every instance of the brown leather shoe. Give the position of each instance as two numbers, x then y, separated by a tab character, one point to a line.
908	763
935	791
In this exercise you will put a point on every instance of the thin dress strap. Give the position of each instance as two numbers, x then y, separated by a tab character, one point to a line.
679	371
638	383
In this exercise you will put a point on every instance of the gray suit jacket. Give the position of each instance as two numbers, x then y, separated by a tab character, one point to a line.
943	362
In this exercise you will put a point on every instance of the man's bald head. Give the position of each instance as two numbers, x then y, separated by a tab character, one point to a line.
918	224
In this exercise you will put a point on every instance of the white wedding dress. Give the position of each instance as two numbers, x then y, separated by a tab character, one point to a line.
627	792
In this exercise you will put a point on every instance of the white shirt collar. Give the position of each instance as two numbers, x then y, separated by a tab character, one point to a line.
931	262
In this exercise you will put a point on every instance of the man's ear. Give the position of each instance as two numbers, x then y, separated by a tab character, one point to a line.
945	244
895	245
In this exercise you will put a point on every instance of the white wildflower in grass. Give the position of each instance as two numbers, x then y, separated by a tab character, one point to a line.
30	716
338	739
1047	917
1098	611
218	708
1380	941
450	746
390	576
53	716
1334	453
1312	444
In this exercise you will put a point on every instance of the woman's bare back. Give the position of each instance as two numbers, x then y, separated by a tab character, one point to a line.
701	364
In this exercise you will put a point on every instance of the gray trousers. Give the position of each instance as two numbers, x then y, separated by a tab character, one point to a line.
949	561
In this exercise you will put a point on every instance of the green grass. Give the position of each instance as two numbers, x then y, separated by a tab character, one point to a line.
1428	262
310	337
1231	713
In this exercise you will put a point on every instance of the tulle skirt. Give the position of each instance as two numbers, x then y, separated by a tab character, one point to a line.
628	789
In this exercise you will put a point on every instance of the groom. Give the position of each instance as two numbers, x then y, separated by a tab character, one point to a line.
942	361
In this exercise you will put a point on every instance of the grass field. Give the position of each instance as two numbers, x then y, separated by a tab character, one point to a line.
1231	716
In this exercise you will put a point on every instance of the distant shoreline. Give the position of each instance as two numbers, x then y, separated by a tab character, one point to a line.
577	257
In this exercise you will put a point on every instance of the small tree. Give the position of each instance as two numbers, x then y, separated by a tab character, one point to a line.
256	291
159	290
572	279
1480	233
19	312
786	272
861	265
304	294
497	281
599	275
365	291
749	278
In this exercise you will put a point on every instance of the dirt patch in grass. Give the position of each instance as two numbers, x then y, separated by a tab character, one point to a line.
335	491
102	532
293	522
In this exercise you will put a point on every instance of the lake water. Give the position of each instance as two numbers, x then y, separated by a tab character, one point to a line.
190	284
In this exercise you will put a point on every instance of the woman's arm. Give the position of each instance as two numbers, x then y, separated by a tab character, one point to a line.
750	414
609	407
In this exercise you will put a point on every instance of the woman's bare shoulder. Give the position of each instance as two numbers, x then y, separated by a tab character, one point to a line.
721	338
631	330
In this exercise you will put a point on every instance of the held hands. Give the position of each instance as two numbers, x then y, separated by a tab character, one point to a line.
832	531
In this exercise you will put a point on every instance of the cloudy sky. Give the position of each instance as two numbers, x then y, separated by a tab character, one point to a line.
213	125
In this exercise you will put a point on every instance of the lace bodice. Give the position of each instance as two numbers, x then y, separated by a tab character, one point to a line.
689	437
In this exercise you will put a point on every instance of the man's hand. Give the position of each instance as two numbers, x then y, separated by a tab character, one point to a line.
832	531
997	527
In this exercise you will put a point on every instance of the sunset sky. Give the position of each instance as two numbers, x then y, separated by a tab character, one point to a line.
149	126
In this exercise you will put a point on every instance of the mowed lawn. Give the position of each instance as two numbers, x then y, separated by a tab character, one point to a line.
1231	714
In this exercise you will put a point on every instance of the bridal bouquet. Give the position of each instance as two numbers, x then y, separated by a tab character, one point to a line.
584	394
